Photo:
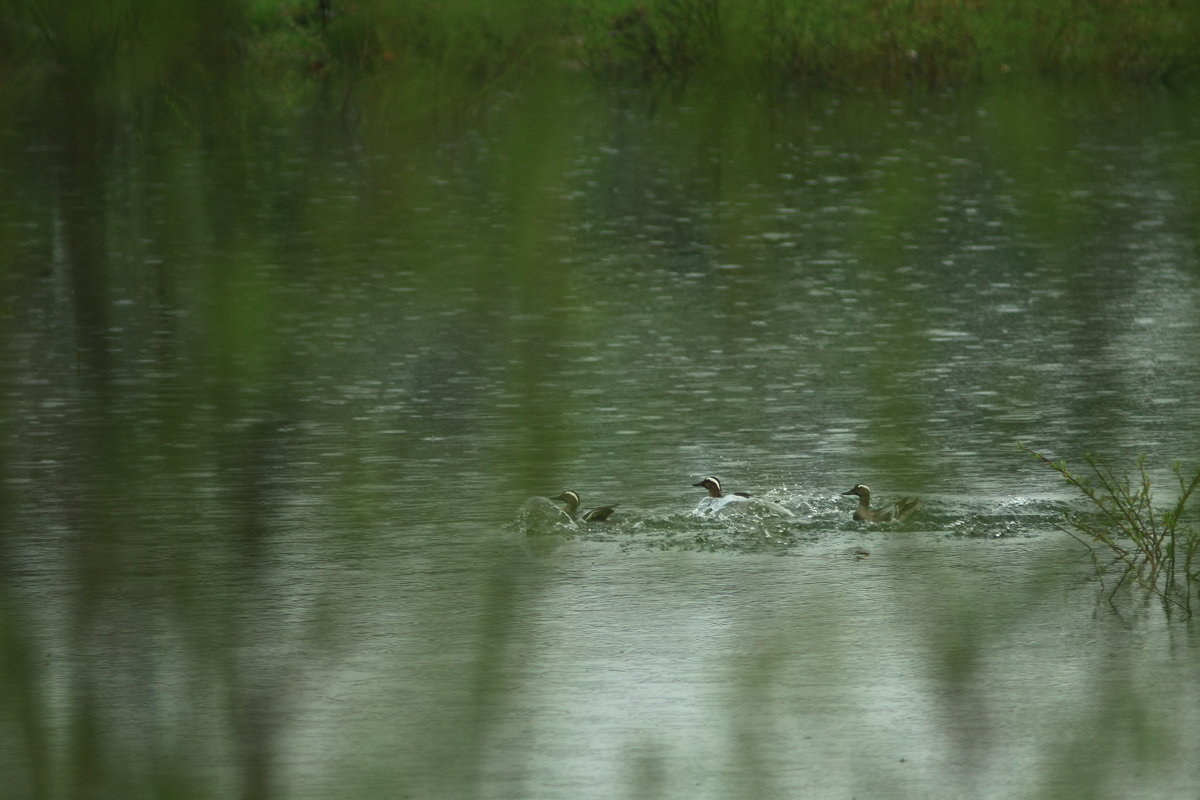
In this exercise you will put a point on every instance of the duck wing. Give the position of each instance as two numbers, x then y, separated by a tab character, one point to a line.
898	510
598	514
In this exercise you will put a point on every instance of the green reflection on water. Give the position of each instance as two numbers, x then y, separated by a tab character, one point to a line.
252	358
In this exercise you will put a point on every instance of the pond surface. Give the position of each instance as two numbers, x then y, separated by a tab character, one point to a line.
284	397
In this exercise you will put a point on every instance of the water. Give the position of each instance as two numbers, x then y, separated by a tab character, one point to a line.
282	405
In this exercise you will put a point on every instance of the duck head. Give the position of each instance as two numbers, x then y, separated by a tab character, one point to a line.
570	498
712	485
860	490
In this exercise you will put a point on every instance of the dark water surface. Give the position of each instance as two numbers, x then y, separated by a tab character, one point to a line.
282	392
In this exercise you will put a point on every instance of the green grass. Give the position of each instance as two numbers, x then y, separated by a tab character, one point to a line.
840	43
902	42
1131	537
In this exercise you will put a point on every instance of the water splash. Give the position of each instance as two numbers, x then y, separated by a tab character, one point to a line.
786	525
539	516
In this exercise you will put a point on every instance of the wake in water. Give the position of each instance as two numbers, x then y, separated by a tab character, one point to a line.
757	524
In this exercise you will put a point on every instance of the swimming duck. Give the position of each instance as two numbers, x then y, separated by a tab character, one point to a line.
714	488
718	500
598	514
890	513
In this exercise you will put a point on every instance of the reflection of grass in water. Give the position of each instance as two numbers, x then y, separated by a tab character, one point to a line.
1144	544
230	658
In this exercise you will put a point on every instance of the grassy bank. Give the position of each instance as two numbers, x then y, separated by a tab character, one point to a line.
898	42
815	42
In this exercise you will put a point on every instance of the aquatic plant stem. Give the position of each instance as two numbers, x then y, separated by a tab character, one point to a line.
1127	512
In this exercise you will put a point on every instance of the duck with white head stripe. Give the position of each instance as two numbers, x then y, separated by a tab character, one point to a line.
571	500
717	500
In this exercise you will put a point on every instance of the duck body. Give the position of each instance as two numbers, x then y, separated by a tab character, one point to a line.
893	512
717	500
571	500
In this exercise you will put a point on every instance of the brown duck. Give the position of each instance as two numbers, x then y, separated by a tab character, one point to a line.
889	513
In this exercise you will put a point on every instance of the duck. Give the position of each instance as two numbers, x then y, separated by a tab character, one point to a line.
889	513
714	488
598	514
718	500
